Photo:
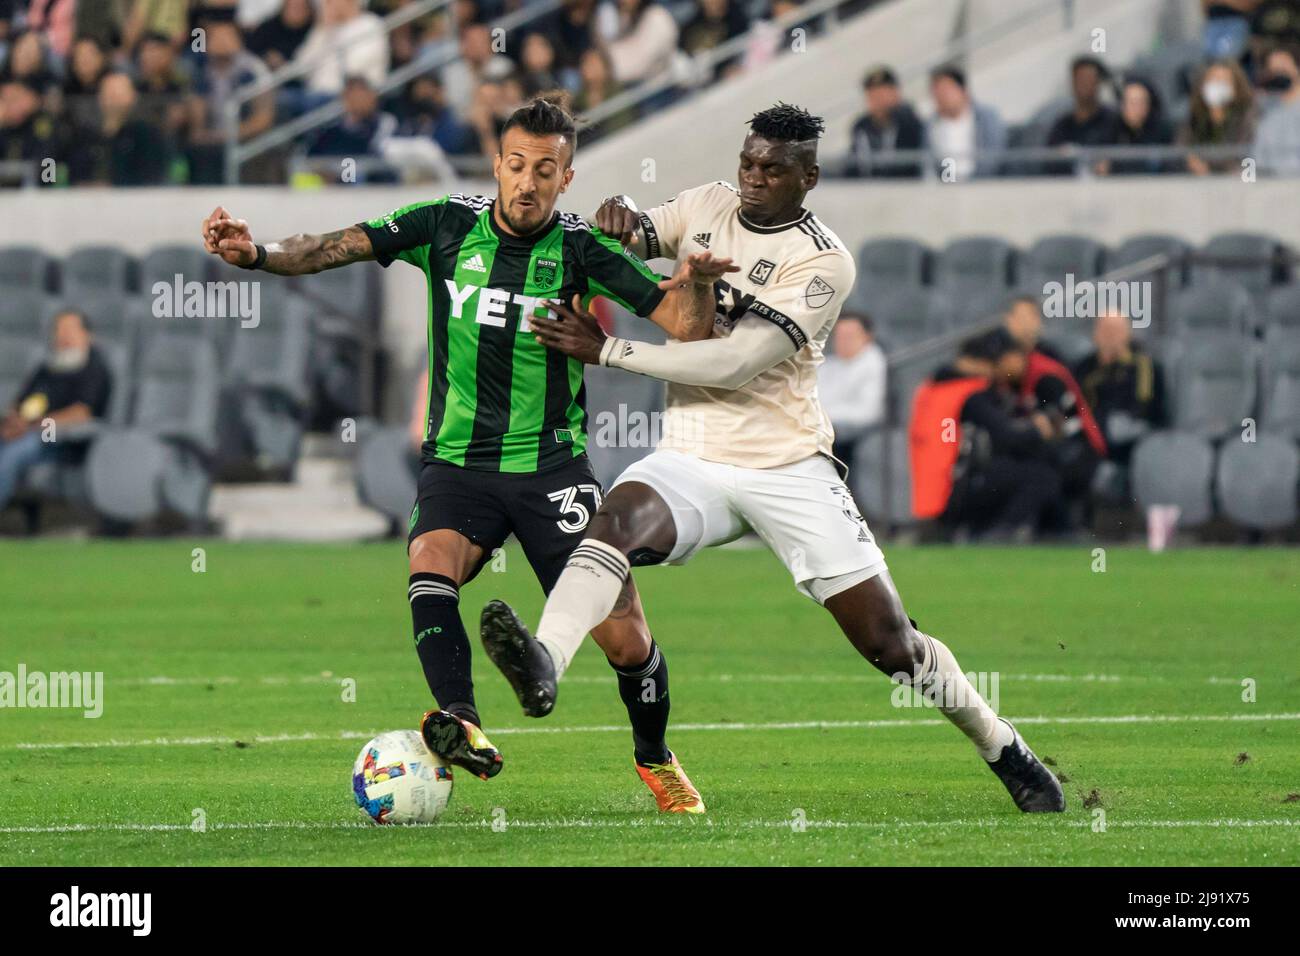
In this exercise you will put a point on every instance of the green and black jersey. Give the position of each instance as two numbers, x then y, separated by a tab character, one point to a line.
498	401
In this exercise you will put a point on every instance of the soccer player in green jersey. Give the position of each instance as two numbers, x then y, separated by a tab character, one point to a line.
506	425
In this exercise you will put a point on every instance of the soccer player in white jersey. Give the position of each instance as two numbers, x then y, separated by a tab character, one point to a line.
746	445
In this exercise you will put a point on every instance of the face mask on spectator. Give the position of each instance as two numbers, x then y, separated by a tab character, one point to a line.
1217	93
1277	83
68	360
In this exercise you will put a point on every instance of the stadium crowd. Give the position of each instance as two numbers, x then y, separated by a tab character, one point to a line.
132	92
1236	94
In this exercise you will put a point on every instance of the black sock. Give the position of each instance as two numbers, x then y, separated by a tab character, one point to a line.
644	689
442	643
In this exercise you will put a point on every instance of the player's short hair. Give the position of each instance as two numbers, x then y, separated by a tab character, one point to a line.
1079	62
547	114
787	123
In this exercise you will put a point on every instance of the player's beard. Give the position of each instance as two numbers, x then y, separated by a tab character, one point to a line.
521	228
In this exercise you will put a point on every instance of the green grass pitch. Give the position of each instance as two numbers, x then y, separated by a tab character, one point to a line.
224	704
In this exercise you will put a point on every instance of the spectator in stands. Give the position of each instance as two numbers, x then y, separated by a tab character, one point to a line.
424	112
362	129
1141	123
27	130
278	39
977	460
103	21
1222	115
1091	122
643	42
479	63
55	21
1123	385
599	85
851	383
345	41
715	22
162	83
537	65
86	68
171	18
572	31
889	124
227	68
71	386
29	62
962	130
1227	27
1275	23
1277	141
1048	387
124	146
493	103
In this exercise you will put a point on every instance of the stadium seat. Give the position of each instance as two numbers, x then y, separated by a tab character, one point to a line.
974	308
164	263
1136	248
1072	346
268	376
351	293
1051	258
1170	68
1256	279
904	316
110	315
1214	385
91	271
1220	307
1282	308
881	462
1175	468
23	313
19	357
1280	383
891	262
161	461
386	480
974	264
25	267
1258	482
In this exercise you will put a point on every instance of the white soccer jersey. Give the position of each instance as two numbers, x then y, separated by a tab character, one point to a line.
796	275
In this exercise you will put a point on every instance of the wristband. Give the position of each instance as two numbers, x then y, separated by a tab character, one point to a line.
259	261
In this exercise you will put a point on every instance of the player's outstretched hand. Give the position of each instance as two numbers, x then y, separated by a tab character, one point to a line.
616	219
229	238
701	268
574	331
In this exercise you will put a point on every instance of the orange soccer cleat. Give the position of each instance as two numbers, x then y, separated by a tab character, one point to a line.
673	790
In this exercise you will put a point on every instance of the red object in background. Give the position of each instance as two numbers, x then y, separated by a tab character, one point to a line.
604	312
1040	365
935	405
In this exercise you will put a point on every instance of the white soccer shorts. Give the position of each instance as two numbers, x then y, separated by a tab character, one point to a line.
803	511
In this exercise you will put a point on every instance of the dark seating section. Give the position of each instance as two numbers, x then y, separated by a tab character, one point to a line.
1229	342
308	354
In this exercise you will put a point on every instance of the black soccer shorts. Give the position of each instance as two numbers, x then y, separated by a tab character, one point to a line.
548	512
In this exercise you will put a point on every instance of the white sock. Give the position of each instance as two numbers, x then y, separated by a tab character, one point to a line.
943	681
584	595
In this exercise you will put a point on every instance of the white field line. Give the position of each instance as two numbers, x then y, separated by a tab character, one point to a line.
651	823
862	678
676	728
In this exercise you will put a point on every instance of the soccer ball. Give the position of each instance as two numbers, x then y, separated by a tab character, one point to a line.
397	780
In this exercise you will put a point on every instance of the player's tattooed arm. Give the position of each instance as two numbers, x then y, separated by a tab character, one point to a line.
232	240
307	254
686	312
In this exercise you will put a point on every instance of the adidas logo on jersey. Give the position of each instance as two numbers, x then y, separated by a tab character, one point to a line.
702	238
475	264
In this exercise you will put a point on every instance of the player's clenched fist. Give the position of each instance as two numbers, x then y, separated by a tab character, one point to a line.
617	218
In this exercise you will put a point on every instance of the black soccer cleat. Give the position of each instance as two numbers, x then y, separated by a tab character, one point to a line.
527	665
1032	786
461	743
